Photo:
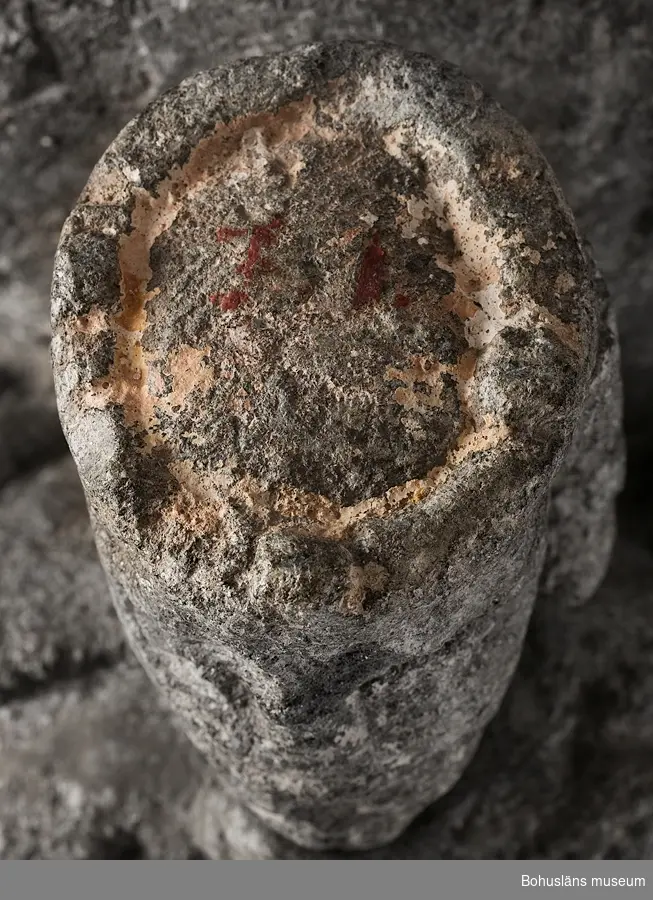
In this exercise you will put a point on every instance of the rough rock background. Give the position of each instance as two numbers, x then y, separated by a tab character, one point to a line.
89	766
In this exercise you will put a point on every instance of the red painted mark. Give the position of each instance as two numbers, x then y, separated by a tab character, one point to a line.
402	301
262	236
371	275
226	233
229	301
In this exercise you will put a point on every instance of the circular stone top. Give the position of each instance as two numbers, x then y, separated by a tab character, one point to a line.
319	284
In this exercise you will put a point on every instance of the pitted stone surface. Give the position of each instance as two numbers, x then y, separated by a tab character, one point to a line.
73	73
303	595
361	320
561	772
353	287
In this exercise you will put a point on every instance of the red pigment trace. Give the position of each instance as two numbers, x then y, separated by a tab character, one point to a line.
229	301
226	233
262	236
371	275
402	301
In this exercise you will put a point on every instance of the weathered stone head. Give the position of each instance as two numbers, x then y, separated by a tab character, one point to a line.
324	329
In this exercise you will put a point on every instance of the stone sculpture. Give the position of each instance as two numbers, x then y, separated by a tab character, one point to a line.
341	383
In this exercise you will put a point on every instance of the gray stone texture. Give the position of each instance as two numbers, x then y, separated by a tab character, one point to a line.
319	464
55	621
91	769
561	773
574	75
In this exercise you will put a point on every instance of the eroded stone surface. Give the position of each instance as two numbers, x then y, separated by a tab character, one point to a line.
582	522
561	772
302	597
73	73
